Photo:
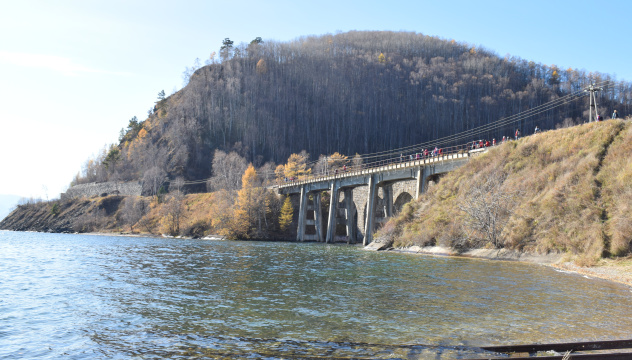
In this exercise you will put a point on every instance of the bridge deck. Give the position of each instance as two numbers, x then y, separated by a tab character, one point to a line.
389	166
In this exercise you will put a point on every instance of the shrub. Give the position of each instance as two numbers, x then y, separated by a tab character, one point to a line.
55	209
196	229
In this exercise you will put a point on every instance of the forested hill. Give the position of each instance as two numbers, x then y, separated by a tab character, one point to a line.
354	92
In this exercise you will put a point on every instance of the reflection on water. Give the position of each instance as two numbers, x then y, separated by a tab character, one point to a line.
111	297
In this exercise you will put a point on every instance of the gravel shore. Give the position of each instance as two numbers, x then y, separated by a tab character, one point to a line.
619	270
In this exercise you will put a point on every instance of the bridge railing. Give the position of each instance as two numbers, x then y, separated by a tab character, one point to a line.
403	160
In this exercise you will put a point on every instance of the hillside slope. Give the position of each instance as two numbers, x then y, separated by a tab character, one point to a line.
355	92
562	191
62	216
198	215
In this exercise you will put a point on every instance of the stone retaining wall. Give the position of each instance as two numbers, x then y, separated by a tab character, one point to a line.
103	189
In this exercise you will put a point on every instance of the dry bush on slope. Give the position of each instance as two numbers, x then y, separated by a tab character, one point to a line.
560	208
487	205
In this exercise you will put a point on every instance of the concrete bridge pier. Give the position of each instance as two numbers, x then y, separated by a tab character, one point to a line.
370	211
302	215
318	217
387	207
387	191
420	188
307	206
422	179
333	205
350	216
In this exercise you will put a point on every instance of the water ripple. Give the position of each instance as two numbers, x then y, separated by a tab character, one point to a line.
98	297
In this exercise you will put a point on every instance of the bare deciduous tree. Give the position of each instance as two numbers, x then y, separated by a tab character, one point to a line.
320	168
153	180
134	209
177	185
172	213
357	161
227	171
266	173
141	206
487	206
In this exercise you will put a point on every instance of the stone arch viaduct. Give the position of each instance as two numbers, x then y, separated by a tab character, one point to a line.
361	200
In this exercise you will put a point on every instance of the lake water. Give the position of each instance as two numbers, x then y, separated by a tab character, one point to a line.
102	297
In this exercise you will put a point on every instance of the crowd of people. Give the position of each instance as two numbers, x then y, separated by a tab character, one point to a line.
424	154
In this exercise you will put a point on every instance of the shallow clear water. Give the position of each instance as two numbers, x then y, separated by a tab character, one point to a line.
101	297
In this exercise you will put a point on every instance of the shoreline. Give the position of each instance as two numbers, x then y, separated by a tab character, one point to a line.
618	271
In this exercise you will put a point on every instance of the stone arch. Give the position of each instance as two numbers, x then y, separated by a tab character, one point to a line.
402	199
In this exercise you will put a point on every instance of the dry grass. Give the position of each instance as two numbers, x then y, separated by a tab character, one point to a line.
196	221
614	177
574	194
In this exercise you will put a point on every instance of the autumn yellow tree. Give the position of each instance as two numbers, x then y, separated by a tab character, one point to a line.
296	166
252	208
173	213
220	213
279	172
262	68
287	212
337	161
554	79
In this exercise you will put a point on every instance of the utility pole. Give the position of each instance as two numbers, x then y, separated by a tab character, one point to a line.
593	100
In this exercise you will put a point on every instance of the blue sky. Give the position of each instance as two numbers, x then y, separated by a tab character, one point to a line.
72	73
